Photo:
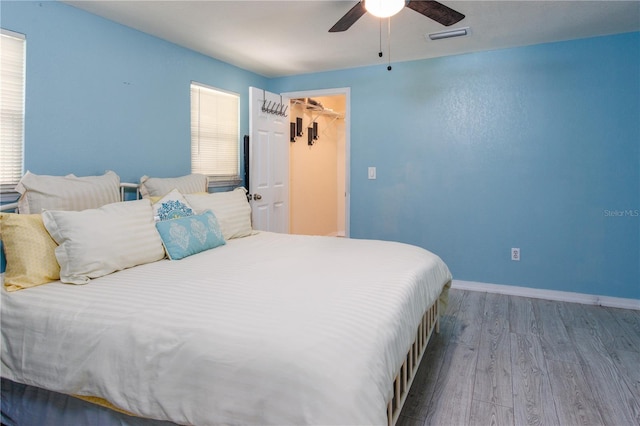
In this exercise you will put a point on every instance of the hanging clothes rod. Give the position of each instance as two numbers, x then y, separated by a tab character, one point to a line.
317	108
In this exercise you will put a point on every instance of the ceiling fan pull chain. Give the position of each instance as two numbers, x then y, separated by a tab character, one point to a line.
389	43
380	51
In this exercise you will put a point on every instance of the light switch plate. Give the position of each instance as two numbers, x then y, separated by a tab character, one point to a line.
372	173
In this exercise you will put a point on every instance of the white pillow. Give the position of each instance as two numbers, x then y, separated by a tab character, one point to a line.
42	192
159	187
231	208
97	242
171	206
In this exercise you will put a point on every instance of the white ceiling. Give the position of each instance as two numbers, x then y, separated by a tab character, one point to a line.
280	38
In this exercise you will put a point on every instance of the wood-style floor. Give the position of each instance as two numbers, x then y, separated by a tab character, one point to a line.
506	360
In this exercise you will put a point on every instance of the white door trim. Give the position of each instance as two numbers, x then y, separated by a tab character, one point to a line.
346	91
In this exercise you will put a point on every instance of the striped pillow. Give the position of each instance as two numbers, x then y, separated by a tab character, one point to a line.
231	208
42	192
159	187
97	242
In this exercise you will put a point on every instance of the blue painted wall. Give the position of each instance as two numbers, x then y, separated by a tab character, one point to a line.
100	95
535	147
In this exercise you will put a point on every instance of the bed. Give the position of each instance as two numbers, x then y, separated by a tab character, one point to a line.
263	328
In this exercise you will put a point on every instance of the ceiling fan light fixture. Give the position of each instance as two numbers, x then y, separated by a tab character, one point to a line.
384	8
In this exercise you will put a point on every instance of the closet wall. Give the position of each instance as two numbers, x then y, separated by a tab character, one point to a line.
317	172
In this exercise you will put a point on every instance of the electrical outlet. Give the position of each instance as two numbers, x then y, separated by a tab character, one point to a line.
515	254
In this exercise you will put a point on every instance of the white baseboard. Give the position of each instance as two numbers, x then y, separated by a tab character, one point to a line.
562	296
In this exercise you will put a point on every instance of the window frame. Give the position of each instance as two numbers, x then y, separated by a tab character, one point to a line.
216	180
7	187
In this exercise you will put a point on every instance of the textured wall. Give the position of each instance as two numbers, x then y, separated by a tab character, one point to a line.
100	95
535	147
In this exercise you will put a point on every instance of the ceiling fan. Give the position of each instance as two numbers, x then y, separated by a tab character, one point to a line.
386	8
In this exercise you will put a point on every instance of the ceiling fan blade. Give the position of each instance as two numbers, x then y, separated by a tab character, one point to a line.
436	11
349	18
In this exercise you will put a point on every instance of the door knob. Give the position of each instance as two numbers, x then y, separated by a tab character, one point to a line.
257	197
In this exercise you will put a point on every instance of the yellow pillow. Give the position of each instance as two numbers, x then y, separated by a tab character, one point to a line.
30	251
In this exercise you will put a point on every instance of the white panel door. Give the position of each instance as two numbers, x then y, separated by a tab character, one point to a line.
269	160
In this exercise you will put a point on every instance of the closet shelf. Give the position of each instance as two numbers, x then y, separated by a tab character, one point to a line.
317	109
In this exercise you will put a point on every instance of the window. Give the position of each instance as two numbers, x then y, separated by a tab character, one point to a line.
215	134
12	76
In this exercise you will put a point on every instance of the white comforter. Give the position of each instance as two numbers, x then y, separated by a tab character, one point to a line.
268	329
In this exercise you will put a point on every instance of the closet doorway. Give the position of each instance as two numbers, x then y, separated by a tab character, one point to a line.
319	163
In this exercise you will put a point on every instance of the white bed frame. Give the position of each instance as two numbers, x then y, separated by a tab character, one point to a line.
123	189
429	323
8	207
404	378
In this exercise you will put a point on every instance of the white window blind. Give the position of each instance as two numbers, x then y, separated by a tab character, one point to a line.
12	78
215	133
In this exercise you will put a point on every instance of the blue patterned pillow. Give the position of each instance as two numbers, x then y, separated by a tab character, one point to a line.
172	206
189	235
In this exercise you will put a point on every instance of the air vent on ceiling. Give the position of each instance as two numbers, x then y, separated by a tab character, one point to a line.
458	32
